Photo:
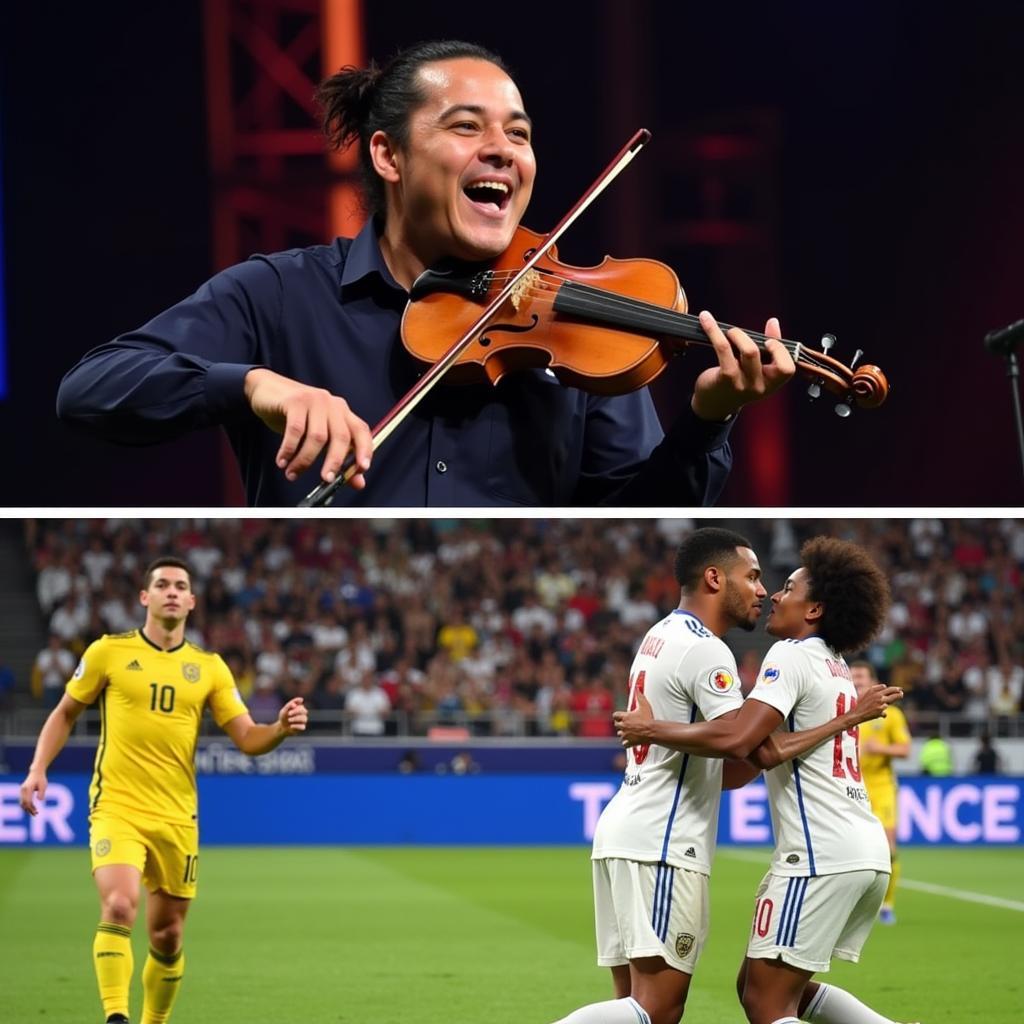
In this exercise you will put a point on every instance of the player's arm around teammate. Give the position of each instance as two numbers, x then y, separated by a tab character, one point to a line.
746	733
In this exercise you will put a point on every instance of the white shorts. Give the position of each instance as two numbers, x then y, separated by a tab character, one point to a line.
808	921
649	910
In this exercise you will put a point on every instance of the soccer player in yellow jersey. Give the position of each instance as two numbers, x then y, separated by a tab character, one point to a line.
882	740
151	687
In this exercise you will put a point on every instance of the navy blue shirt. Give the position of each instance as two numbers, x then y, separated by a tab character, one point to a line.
329	316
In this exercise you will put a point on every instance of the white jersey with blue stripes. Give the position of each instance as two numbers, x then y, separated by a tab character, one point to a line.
666	811
820	810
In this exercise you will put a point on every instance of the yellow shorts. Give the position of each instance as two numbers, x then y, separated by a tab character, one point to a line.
166	854
883	802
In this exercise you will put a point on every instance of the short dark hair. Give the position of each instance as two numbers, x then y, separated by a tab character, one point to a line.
705	547
867	666
356	102
160	563
854	591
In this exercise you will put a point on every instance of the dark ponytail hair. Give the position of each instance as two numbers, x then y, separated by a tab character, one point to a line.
357	102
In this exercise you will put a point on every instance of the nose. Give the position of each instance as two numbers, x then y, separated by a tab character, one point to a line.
496	148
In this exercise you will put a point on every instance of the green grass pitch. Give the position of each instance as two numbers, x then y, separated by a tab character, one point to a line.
436	936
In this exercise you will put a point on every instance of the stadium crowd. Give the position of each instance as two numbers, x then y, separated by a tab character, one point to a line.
508	626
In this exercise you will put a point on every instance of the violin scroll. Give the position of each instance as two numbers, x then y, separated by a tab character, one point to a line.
865	387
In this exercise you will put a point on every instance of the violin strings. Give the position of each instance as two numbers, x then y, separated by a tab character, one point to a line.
605	301
612	301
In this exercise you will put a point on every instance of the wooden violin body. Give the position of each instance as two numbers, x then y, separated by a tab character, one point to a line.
608	329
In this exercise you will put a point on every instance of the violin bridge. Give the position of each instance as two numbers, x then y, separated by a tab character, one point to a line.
529	280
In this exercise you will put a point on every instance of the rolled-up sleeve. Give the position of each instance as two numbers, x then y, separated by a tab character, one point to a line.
183	370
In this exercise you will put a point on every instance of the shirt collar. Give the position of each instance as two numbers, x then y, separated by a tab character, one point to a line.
364	260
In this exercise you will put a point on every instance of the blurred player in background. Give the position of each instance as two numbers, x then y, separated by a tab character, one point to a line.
830	867
151	686
881	741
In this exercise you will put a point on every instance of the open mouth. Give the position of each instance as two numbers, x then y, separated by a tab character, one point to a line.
490	196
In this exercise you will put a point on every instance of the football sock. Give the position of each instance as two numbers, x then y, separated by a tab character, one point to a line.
787	1020
161	979
890	893
832	1005
112	960
615	1011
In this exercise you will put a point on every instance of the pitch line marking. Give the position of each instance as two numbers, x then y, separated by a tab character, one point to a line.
960	894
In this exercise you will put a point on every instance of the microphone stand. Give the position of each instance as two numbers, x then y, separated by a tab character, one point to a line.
1004	342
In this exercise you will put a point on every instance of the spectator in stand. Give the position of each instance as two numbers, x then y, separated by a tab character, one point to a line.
1005	684
986	760
53	667
457	636
70	620
368	706
592	706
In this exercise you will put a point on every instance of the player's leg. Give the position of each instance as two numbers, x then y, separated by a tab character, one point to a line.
118	889
887	915
827	1004
623	1009
621	982
883	795
171	876
772	990
165	963
118	856
659	988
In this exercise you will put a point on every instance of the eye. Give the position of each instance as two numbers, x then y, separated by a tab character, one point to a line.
520	133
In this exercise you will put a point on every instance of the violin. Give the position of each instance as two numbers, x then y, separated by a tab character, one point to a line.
608	329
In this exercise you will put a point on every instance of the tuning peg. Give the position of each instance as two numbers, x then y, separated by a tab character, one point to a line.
842	410
814	391
856	356
827	341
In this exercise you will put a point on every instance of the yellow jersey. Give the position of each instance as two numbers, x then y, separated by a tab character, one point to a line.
151	705
877	768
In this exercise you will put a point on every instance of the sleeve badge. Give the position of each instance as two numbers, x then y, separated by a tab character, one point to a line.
770	674
721	680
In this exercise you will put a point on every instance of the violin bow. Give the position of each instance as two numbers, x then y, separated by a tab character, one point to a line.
323	494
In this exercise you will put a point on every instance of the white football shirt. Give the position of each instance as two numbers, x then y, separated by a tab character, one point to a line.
820	811
666	810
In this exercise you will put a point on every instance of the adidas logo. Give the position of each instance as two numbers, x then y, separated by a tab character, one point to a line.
133	666
691	852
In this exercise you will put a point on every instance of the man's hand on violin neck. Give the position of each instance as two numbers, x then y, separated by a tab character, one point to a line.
740	376
311	421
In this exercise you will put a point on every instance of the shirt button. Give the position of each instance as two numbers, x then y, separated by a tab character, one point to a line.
441	466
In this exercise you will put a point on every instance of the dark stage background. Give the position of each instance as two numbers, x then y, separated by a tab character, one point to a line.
888	196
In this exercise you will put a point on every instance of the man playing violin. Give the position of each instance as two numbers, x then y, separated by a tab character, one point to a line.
295	353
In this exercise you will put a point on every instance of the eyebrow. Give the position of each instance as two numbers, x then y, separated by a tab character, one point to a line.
475	108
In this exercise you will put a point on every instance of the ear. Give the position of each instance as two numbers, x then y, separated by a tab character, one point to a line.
384	156
144	598
814	612
714	578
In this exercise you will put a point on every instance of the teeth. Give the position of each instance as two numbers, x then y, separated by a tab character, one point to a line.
499	185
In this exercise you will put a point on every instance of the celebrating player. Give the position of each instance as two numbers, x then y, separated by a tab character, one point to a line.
152	686
830	867
655	841
881	741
